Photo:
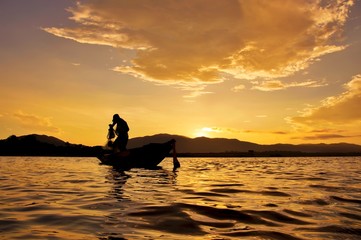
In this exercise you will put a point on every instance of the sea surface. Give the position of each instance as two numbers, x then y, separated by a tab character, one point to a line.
207	198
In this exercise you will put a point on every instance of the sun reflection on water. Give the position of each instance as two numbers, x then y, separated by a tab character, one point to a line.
207	198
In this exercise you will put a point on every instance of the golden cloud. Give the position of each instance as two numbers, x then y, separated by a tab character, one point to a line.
265	132
274	85
238	88
34	122
198	40
324	137
341	109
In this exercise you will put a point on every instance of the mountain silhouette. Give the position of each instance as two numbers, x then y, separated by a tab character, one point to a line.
42	145
46	139
219	145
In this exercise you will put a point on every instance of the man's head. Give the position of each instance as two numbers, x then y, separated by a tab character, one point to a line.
116	117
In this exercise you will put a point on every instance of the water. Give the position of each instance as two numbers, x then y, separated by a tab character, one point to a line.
207	198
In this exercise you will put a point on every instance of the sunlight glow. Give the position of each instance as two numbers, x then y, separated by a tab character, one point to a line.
206	131
201	133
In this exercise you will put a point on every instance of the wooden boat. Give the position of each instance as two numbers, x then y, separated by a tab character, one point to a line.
148	156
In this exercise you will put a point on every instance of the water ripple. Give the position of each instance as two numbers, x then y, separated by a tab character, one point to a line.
207	198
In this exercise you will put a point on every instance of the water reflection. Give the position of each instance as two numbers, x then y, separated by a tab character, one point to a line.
275	198
139	180
134	191
117	180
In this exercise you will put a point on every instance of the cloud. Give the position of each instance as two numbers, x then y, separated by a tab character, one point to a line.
35	123
265	132
237	131
324	137
221	130
194	94
341	109
238	88
274	85
213	129
199	40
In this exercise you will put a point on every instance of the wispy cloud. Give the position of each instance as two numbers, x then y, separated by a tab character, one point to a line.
274	85
196	41
238	131
265	132
323	137
194	94
238	88
213	129
341	109
326	134
35	123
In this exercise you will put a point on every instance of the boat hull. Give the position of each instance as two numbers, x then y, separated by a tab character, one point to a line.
148	156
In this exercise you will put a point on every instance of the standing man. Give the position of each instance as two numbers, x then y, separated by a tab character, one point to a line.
121	131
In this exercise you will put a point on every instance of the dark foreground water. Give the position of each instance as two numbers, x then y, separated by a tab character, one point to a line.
207	198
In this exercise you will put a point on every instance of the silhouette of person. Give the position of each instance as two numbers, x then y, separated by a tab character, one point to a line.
121	131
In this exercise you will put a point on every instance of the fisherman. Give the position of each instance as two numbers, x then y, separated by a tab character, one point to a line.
121	131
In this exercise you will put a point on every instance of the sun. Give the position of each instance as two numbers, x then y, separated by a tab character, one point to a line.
203	132
200	133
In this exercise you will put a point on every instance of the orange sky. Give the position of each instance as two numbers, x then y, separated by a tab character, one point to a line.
280	71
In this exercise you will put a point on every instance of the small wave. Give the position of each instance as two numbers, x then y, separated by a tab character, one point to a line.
226	190
296	213
263	234
348	200
336	229
275	193
206	194
266	193
351	216
9	225
228	214
170	219
315	179
271	205
278	217
33	207
335	189
227	185
320	202
75	181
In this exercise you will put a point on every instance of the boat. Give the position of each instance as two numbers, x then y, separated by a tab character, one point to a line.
147	156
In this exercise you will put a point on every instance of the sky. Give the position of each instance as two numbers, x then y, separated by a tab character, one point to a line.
280	71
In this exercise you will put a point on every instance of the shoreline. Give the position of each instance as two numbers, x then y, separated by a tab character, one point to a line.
207	155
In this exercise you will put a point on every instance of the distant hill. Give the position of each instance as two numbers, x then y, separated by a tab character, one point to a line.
46	139
196	145
221	145
42	145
